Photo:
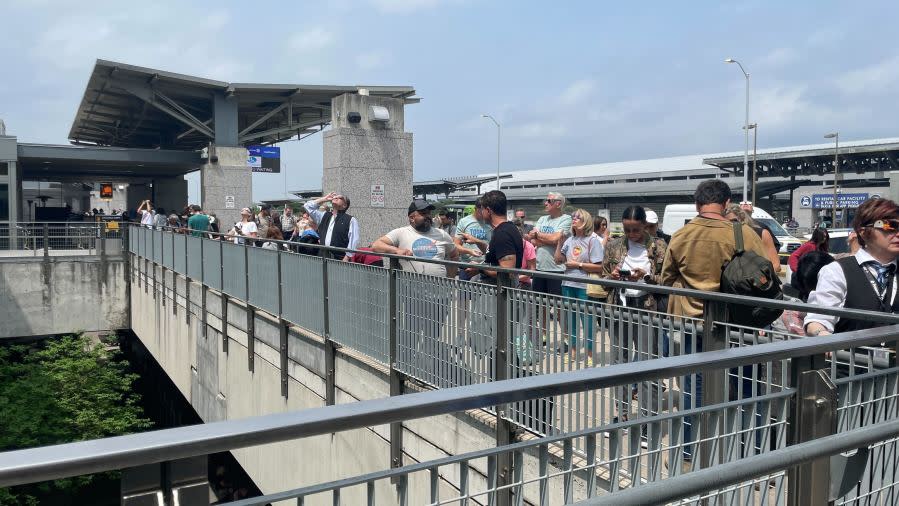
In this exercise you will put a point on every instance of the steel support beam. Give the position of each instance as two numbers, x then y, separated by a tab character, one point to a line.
149	95
262	120
275	131
505	432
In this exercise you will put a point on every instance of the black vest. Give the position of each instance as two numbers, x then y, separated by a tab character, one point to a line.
860	295
340	236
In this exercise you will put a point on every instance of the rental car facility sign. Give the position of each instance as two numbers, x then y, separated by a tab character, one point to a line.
844	200
264	158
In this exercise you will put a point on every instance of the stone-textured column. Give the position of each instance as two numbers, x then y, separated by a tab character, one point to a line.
358	156
225	181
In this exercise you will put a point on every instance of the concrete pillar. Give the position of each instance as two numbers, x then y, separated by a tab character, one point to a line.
171	193
359	156
226	185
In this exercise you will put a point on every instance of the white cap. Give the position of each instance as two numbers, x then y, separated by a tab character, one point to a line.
651	217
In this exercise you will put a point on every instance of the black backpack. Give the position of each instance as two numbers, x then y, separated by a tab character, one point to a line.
750	275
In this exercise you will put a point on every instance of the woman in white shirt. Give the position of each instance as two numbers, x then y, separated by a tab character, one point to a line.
246	227
582	254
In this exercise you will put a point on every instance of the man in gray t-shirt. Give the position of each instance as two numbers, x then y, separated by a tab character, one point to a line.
548	231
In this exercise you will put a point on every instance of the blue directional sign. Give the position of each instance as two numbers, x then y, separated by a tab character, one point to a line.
264	158
844	200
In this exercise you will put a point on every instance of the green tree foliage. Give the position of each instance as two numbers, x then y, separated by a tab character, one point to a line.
67	389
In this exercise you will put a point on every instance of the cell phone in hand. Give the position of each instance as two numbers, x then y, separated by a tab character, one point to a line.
624	273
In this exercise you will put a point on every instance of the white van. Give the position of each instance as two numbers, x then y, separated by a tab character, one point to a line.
677	215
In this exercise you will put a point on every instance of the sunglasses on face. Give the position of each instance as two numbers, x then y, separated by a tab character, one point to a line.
636	230
551	201
889	226
577	217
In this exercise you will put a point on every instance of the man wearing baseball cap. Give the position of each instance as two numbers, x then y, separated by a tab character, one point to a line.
419	239
652	226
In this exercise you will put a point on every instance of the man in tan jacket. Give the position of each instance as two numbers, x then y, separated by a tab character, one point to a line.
697	253
694	259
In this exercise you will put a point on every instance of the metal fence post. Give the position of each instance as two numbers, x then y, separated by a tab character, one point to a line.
174	278
505	433
396	377
251	311
203	317
46	241
330	348
129	273
223	296
153	262
714	383
186	279
283	329
813	415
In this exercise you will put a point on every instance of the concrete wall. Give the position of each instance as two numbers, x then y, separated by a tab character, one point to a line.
62	295
220	386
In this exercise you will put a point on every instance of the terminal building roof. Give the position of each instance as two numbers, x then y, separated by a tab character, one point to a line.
136	107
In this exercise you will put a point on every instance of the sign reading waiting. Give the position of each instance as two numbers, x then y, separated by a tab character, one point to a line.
264	158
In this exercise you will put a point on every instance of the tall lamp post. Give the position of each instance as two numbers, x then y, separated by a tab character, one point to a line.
755	161
745	127
836	171
498	132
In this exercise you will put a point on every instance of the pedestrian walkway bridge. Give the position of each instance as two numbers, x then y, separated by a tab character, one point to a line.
341	383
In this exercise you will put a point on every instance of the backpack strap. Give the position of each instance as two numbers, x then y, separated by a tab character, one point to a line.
738	237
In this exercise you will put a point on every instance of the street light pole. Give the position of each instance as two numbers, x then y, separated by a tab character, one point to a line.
836	171
498	136
755	161
746	127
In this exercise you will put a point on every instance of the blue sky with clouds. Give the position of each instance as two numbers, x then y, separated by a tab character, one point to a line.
571	82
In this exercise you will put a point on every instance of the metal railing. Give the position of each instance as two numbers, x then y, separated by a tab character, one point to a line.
443	333
73	238
759	478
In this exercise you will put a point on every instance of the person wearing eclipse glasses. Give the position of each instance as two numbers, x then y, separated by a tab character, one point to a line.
866	280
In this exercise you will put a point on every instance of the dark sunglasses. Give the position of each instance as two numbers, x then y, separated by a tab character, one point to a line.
551	201
890	226
628	230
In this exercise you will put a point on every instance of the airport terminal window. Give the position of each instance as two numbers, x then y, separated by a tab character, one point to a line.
4	168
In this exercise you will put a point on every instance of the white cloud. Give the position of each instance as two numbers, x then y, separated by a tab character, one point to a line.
877	78
372	60
404	6
314	39
780	57
577	92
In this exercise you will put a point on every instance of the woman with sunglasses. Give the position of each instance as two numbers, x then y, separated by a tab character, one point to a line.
582	254
601	229
866	280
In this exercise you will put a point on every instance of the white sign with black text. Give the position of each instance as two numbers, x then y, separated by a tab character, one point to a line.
377	195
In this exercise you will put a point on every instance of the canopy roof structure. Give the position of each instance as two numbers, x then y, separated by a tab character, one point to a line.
137	107
855	157
91	163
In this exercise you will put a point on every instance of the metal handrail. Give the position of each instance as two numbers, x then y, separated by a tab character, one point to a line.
874	316
72	459
745	469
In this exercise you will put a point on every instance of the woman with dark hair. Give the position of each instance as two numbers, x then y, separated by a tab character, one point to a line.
866	280
637	257
818	242
601	229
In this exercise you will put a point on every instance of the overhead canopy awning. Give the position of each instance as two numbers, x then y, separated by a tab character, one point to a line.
137	107
855	157
91	164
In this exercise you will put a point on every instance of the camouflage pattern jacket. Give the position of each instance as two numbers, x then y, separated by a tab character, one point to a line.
617	250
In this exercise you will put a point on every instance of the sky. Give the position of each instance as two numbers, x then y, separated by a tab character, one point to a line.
571	82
